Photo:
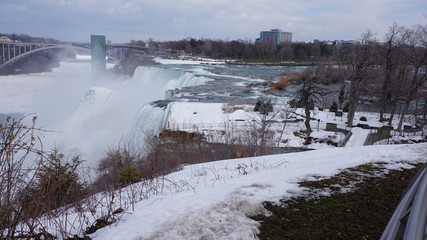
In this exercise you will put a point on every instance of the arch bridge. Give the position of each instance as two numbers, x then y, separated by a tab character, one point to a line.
14	51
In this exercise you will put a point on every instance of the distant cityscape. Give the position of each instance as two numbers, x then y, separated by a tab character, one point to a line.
278	37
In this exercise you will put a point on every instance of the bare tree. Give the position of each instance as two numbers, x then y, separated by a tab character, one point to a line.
310	91
389	53
359	62
415	56
261	122
425	105
18	143
398	88
286	112
32	181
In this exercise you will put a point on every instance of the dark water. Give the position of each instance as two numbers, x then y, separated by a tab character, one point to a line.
231	82
247	83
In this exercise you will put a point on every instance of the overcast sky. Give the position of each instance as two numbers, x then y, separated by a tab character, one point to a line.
125	20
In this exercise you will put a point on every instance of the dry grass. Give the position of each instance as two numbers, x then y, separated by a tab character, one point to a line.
233	106
362	212
282	83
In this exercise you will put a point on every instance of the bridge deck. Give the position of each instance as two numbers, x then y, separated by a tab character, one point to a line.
13	51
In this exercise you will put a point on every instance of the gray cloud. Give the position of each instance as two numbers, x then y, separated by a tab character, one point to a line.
123	20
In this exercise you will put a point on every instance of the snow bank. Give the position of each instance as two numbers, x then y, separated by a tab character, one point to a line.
188	61
83	57
221	195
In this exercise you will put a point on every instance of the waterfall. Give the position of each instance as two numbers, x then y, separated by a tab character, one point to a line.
85	115
117	111
160	80
150	119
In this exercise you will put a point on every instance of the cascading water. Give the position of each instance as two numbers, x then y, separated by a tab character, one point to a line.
150	119
162	79
117	111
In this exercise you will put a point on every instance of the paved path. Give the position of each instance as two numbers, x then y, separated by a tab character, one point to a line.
358	138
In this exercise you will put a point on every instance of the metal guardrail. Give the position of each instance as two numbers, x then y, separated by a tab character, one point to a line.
409	221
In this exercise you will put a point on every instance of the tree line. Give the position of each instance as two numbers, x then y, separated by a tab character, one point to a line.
396	70
391	74
29	39
244	49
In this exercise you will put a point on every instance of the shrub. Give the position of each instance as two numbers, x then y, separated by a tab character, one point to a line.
280	84
33	182
129	174
57	184
118	168
233	106
332	76
292	76
19	143
263	106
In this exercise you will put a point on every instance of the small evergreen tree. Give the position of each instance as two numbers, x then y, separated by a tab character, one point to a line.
57	184
128	175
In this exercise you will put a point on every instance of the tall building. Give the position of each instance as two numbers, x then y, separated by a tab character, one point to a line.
275	35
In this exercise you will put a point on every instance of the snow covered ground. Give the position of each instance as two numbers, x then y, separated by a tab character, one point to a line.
213	119
188	60
214	200
203	201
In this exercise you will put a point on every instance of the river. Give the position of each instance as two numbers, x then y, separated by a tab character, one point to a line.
84	114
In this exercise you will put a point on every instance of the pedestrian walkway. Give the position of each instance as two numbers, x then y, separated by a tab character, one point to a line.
358	137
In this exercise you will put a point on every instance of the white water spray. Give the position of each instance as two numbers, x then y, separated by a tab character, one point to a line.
89	115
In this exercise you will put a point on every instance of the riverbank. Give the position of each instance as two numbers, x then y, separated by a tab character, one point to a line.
186	59
267	63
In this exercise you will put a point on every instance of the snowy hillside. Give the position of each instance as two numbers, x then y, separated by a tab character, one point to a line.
214	200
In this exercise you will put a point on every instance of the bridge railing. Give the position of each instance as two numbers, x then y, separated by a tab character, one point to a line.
11	50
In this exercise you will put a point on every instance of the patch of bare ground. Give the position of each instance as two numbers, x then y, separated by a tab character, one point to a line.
360	204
